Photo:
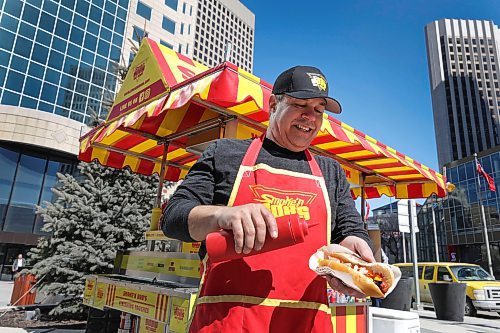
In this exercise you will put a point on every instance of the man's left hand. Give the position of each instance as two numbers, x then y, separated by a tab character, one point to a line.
361	247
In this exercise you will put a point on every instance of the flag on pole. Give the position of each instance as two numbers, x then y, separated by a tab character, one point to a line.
489	179
367	210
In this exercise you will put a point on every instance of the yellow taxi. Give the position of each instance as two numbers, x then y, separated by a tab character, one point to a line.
483	292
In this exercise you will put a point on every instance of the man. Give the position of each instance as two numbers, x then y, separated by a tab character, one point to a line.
238	185
17	265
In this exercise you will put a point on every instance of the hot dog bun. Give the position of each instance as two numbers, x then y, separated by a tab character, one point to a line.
337	262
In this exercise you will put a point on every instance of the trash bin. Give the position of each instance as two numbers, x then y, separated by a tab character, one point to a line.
393	321
20	293
400	297
449	300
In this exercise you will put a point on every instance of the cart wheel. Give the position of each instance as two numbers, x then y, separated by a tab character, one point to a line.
470	310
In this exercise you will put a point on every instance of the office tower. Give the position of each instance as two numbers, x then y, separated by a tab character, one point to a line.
169	22
463	58
219	22
57	66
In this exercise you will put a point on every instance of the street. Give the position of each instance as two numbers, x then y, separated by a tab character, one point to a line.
484	322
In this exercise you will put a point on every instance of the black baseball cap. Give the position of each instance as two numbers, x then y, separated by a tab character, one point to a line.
305	82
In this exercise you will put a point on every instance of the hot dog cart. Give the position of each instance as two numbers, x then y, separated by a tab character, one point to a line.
168	110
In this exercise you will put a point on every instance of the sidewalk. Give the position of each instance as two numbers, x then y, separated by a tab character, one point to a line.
484	322
5	292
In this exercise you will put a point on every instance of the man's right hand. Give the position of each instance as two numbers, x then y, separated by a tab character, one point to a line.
249	223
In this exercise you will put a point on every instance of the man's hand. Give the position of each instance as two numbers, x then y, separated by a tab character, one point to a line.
249	223
359	246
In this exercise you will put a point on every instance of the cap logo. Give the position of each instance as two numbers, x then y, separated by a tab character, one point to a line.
318	81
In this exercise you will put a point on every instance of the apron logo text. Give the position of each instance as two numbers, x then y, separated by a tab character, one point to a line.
283	203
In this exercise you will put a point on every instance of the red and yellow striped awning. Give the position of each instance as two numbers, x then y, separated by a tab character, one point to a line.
198	105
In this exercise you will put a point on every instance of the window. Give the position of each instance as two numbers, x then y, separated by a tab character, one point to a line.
36	70
8	163
76	36
51	76
56	60
25	193
31	14
95	14
442	271
143	11
182	28
62	29
82	8
103	48
172	4
13	8
138	34
90	42
9	98
23	47
168	25
32	87
108	21
6	40
429	272
170	46
19	64
14	81
49	92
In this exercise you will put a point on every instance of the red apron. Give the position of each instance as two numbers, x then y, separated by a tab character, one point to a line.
274	291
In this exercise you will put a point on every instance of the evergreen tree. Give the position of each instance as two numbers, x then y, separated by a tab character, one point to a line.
101	211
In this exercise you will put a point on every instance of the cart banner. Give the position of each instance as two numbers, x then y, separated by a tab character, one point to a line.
154	70
179	316
141	303
191	247
88	292
353	176
169	266
155	235
350	318
102	295
144	82
150	326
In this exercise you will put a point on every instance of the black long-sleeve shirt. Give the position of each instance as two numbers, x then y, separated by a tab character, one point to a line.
211	179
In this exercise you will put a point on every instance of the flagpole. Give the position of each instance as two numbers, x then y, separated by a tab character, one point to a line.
483	217
436	248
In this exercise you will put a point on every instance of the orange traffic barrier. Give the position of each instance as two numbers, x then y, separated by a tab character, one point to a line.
20	294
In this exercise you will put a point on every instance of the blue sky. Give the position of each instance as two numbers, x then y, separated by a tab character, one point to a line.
373	54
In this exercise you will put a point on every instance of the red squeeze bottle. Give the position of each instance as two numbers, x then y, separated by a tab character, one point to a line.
220	244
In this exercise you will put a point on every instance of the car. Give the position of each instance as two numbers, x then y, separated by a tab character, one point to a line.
482	292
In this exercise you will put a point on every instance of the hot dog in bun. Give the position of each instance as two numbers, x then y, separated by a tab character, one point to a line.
373	279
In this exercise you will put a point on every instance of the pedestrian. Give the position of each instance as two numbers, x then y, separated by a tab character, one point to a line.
248	186
17	265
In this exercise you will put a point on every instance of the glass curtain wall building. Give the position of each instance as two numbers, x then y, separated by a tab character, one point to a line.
58	66
426	250
61	56
460	227
25	181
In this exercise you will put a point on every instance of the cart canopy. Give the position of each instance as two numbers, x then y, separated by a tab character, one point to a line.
171	103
